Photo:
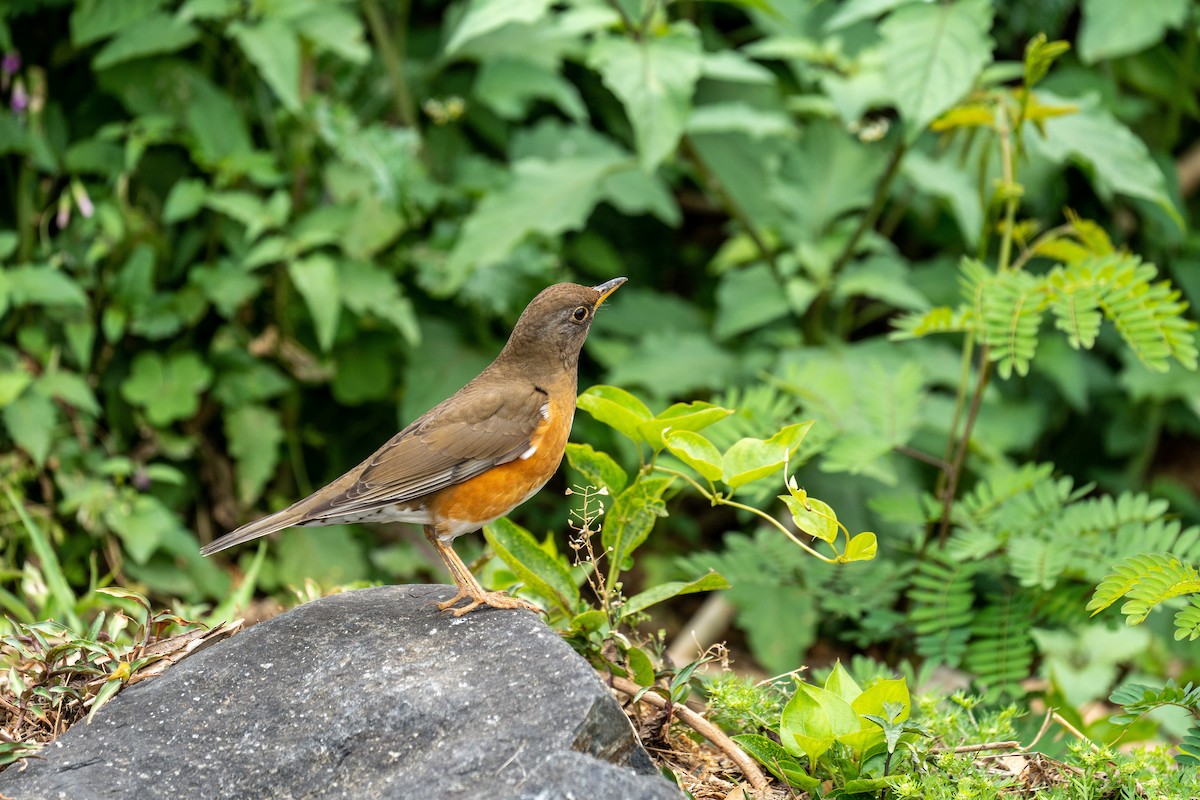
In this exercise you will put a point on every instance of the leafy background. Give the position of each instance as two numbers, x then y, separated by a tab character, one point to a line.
243	243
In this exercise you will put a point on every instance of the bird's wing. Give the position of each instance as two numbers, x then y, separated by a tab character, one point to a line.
449	445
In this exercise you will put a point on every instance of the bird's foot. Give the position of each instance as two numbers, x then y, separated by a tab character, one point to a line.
490	599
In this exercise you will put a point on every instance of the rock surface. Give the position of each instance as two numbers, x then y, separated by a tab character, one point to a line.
366	694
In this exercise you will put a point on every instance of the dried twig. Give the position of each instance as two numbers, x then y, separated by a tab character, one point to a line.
701	726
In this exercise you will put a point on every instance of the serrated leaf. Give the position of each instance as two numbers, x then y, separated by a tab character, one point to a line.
933	54
254	435
1108	30
274	49
484	16
316	279
654	79
665	591
630	520
142	525
168	389
598	468
539	571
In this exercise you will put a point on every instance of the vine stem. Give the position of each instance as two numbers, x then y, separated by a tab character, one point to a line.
717	500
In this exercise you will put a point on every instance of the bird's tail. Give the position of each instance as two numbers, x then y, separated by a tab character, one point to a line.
286	518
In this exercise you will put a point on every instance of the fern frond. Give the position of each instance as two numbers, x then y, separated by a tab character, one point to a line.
1147	580
1011	313
942	319
1149	536
1138	699
1036	560
941	611
1187	621
1189	748
1001	650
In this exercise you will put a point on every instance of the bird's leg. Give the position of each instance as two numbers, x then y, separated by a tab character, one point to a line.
468	587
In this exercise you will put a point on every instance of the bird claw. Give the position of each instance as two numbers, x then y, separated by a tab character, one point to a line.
490	599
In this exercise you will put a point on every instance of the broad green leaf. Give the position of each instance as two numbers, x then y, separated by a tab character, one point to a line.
12	384
157	33
696	451
654	79
630	520
70	388
1108	30
665	591
539	571
316	278
682	417
368	289
888	691
1116	160
44	286
336	29
854	11
185	200
748	298
933	54
547	197
274	49
780	763
141	525
167	388
598	468
616	408
812	517
669	363
30	420
862	547
589	621
254	435
950	181
484	16
511	86
93	20
641	668
751	459
843	685
813	719
251	210
226	285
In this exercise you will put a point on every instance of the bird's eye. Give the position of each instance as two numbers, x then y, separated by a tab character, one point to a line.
580	314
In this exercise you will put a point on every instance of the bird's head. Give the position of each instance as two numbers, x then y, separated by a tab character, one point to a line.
554	325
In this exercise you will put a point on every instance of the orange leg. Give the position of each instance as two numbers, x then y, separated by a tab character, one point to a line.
468	587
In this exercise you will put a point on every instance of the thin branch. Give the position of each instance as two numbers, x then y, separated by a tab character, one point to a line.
985	374
976	748
393	53
1074	731
701	726
1045	236
920	455
868	220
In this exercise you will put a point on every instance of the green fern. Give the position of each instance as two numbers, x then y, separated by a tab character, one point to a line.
1187	621
1147	580
1137	699
1001	650
1005	309
942	600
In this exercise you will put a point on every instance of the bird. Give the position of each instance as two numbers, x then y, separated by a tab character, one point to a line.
475	456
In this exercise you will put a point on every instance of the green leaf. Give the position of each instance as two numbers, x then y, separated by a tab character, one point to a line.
30	420
669	363
748	298
630	520
841	683
872	701
254	434
813	719
93	20
540	572
598	468
274	49
335	29
1116	160
812	517
933	53
682	417
654	79
772	756
185	200
862	547
617	409
368	289
157	33
1109	31
665	591
141	525
44	286
951	182
511	86
750	459
226	285
316	278
70	388
546	197
696	451
854	11
484	16
168	389
12	384
641	668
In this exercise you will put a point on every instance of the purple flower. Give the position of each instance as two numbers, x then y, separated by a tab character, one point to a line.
10	63
20	97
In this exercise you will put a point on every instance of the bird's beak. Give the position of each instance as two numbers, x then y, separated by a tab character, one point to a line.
607	288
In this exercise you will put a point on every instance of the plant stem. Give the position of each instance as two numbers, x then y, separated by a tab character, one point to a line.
393	51
868	220
718	500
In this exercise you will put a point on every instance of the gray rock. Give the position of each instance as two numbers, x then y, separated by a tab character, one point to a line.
367	694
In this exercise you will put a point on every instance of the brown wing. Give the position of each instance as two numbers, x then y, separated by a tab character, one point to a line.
452	443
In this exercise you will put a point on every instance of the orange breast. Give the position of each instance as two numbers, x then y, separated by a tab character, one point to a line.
472	504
